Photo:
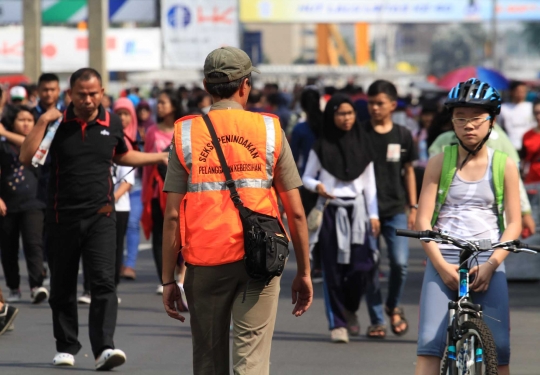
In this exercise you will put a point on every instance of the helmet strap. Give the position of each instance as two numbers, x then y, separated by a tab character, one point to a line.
476	149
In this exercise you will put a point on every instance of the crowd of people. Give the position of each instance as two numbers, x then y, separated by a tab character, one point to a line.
361	157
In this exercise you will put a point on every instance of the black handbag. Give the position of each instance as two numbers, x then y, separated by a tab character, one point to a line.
266	245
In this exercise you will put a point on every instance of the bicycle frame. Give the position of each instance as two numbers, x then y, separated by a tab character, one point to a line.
460	309
463	308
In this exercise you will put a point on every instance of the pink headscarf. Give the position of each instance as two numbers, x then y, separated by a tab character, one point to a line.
130	133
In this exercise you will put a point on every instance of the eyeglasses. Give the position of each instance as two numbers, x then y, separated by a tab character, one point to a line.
474	121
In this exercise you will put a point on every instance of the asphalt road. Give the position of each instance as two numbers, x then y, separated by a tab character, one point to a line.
156	344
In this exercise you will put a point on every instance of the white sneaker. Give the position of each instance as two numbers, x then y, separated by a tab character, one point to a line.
159	289
119	300
110	358
339	335
85	299
63	359
39	294
14	295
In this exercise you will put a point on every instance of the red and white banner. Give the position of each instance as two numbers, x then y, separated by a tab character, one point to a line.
193	28
66	49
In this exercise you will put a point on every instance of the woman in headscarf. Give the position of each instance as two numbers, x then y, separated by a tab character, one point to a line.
340	170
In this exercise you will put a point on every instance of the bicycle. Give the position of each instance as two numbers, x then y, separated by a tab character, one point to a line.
470	346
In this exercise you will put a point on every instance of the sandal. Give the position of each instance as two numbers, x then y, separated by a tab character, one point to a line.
402	320
376	331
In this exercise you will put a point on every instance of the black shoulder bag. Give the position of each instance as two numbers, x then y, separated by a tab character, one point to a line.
265	243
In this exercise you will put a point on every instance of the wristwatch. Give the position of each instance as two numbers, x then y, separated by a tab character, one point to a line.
415	206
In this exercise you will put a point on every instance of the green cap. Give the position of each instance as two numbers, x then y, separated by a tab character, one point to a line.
233	62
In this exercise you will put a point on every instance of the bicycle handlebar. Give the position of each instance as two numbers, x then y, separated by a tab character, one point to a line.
476	245
530	247
414	233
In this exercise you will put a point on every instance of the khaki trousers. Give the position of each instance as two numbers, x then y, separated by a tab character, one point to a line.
214	294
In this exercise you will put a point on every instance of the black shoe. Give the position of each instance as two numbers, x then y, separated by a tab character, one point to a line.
7	316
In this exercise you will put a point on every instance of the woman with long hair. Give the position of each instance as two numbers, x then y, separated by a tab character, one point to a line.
340	169
21	212
158	139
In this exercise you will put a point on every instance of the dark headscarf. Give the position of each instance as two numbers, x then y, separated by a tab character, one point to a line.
344	154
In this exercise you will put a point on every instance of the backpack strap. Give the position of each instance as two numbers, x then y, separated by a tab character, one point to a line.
498	168
447	175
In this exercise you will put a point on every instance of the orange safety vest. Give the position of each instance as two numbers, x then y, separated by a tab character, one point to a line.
210	225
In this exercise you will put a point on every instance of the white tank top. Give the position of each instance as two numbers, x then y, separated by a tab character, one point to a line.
470	211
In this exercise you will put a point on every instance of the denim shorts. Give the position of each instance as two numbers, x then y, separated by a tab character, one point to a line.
433	320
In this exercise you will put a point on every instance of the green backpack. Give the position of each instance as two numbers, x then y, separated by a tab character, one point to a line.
449	168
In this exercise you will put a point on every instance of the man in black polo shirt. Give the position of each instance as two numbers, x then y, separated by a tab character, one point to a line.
80	214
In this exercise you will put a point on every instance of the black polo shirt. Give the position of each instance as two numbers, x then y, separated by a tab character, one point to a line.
81	161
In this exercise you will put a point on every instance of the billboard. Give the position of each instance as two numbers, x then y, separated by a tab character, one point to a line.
66	49
74	11
193	28
375	11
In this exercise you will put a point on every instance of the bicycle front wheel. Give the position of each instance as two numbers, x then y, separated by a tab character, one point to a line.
475	352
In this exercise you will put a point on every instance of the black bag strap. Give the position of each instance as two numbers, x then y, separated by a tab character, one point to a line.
226	170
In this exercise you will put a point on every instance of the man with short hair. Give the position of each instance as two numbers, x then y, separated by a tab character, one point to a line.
48	88
80	217
516	117
396	187
202	220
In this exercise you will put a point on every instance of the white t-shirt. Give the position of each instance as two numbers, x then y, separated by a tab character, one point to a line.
517	119
126	174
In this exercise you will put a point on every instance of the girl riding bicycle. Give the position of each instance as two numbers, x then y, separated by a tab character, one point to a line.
470	212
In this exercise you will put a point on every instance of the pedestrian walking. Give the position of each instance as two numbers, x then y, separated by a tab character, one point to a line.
80	215
123	179
396	191
48	94
470	210
516	116
340	169
303	137
7	315
202	220
158	139
21	211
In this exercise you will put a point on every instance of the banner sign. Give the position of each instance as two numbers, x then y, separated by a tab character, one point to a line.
193	28
74	11
66	49
397	11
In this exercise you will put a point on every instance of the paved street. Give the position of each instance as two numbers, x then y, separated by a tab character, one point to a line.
156	344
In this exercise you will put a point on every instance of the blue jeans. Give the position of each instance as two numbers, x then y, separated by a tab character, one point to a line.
398	254
133	229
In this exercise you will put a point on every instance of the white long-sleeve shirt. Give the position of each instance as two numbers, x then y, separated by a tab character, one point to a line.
365	183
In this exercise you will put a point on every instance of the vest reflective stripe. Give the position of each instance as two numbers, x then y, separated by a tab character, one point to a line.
186	145
218	186
244	183
270	145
